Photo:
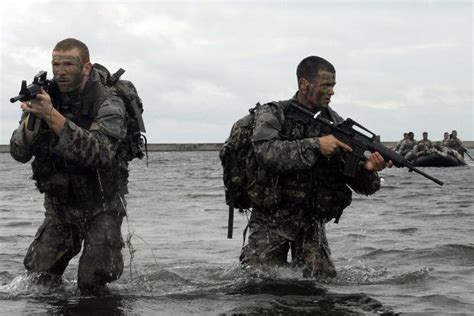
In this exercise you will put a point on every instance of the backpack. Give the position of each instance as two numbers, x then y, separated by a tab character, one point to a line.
239	166
238	162
134	144
246	185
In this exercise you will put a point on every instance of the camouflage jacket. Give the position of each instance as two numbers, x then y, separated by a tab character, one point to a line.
452	152
80	166
428	143
286	145
406	146
456	144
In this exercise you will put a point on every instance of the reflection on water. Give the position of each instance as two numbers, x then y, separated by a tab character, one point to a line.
109	305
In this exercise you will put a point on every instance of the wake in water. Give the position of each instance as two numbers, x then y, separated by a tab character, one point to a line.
363	275
279	290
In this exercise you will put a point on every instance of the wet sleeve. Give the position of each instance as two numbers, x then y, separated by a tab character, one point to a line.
19	149
277	155
365	182
97	146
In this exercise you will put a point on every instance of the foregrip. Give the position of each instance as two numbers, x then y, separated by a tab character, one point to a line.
31	122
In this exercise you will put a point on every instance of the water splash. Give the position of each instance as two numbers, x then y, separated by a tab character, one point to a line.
27	286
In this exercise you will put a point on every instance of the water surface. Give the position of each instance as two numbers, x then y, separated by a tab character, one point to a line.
409	248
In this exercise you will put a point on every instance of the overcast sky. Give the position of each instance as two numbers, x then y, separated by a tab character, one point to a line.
199	65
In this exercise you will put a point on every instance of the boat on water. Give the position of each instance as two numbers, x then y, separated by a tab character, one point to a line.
438	160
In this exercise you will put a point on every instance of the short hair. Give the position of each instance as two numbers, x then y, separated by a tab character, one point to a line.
71	43
309	67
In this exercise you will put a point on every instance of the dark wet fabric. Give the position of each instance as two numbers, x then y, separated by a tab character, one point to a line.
274	237
60	238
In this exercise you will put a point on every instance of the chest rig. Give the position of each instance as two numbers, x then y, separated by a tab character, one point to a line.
66	180
322	190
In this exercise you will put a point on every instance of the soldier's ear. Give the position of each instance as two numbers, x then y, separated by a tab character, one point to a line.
303	85
87	68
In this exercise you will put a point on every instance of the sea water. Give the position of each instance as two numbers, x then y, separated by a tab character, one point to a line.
409	248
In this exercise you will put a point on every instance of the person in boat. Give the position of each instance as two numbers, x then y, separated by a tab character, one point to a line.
428	144
443	151
408	144
445	140
399	144
421	149
455	143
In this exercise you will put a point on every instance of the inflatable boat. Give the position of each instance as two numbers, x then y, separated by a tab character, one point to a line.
437	160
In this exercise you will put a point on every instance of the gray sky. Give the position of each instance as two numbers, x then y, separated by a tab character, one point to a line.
198	66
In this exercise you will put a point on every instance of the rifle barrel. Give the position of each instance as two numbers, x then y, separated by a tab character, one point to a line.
17	98
437	181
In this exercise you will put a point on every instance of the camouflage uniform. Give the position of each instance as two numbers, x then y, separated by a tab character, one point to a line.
444	142
407	146
399	144
421	149
84	182
456	144
449	151
428	143
308	190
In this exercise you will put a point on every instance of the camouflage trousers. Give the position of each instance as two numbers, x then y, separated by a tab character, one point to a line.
60	237
273	236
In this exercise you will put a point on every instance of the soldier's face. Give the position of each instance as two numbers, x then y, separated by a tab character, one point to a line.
68	70
321	89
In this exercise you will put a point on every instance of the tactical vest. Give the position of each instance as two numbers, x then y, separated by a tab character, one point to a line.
321	190
65	180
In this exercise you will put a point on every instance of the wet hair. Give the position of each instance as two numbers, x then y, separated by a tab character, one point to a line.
71	43
309	67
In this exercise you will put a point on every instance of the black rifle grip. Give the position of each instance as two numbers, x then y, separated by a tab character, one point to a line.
31	122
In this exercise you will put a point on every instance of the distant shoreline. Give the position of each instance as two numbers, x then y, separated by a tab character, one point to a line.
162	147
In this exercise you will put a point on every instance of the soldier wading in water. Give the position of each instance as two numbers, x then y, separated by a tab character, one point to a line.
303	166
80	166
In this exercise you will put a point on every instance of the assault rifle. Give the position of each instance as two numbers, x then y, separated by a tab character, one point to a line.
360	143
29	92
